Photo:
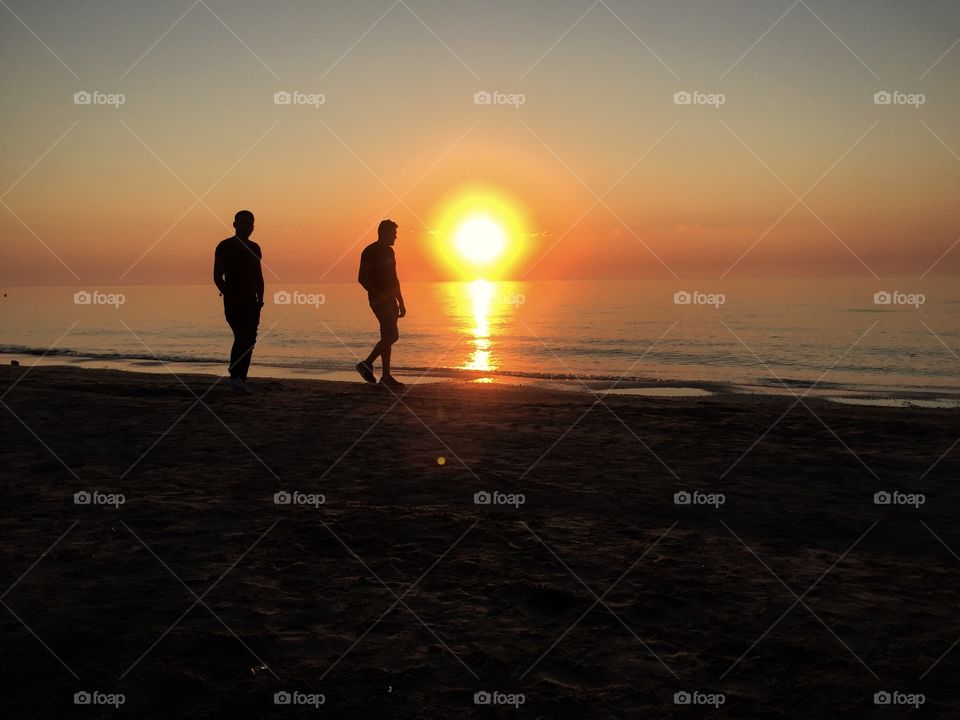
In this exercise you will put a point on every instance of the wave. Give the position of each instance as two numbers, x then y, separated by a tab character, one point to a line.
318	368
87	355
315	365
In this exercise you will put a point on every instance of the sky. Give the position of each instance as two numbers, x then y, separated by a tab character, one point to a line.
785	165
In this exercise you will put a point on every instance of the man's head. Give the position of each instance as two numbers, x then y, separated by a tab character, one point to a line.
387	232
243	224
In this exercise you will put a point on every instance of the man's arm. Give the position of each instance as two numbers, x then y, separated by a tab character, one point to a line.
396	280
218	273
260	287
363	277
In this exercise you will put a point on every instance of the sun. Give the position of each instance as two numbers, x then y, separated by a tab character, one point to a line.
480	240
479	231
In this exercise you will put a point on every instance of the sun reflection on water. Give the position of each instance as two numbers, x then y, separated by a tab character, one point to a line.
480	294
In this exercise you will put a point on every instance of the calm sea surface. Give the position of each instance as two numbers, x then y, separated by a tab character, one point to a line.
748	334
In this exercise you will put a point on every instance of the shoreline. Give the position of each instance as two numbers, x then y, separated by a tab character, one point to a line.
933	398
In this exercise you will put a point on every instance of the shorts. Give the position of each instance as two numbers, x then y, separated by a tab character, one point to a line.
387	312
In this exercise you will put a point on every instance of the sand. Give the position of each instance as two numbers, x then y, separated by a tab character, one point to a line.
598	596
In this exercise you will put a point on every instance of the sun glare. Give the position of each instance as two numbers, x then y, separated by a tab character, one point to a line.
480	233
480	240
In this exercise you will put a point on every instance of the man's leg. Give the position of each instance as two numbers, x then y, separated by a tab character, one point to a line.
382	348
375	353
248	339
365	367
387	315
388	336
236	355
236	327
245	342
243	321
385	356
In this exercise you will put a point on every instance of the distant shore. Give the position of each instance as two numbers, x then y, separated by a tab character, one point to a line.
587	501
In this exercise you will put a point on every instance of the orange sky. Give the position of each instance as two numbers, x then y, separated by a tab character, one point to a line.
693	190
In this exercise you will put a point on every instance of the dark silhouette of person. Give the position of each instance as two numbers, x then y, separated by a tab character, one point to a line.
378	276
238	276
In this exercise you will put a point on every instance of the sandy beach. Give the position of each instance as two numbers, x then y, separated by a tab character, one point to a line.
384	590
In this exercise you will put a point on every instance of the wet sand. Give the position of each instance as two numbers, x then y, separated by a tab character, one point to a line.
598	596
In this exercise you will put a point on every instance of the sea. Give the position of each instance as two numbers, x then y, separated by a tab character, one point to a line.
891	342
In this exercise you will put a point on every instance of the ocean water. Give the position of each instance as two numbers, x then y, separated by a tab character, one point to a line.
634	334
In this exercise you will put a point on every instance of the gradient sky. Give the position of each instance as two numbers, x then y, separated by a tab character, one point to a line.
112	200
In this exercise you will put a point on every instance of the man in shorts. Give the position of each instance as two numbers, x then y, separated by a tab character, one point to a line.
238	276
378	276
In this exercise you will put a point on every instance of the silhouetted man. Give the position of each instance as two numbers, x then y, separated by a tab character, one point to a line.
378	275
237	274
